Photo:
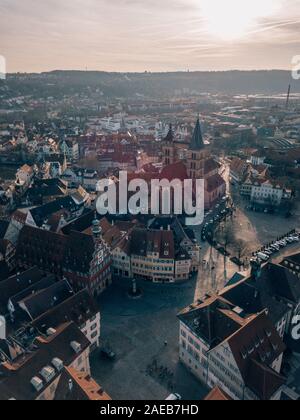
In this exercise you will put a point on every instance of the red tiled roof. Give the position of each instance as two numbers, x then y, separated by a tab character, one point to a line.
214	182
217	394
257	343
238	166
174	171
143	241
19	216
84	387
55	251
145	176
263	380
118	157
210	165
254	341
111	234
150	168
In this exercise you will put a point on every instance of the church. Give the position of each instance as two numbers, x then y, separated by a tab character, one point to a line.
193	162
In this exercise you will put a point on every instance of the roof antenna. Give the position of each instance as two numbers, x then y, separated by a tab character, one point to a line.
288	97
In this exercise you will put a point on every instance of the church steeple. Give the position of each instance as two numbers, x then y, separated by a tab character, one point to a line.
197	142
123	127
197	154
65	162
169	148
170	136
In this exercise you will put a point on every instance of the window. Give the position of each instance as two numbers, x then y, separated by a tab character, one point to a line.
191	341
197	346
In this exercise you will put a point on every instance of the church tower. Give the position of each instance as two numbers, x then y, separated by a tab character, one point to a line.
169	148
197	154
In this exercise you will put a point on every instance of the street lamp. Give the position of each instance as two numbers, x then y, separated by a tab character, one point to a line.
134	287
134	292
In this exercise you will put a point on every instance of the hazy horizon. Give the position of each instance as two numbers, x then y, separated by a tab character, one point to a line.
131	36
150	72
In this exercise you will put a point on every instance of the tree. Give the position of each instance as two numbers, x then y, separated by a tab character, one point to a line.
242	249
226	238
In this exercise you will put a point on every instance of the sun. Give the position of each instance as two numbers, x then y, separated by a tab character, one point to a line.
233	19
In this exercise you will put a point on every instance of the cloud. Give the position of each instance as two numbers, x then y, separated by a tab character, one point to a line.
135	35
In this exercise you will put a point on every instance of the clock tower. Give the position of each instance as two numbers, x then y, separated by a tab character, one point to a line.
169	148
197	154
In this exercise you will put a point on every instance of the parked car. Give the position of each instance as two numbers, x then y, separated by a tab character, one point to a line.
268	252
108	353
174	397
265	253
263	257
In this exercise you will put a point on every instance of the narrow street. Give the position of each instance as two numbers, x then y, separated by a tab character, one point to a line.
212	275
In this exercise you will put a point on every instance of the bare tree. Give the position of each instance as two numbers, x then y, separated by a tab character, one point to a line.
242	249
226	238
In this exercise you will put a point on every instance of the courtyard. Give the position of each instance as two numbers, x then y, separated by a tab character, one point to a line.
258	228
140	332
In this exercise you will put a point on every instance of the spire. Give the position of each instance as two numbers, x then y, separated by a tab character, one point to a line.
123	127
96	227
197	142
65	163
170	136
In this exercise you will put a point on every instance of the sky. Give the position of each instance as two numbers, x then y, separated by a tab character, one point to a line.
152	35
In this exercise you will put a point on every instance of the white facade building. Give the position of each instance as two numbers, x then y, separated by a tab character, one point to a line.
266	192
238	354
70	149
